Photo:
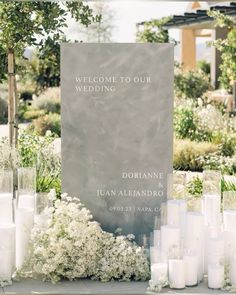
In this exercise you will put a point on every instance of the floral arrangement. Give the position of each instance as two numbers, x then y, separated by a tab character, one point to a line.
71	245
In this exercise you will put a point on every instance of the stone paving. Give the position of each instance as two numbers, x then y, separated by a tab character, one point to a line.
82	287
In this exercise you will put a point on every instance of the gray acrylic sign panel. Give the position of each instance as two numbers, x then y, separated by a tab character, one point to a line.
117	130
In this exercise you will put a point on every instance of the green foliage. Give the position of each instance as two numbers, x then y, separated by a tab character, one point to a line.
3	111
228	185
154	31
38	151
227	47
32	114
190	84
194	187
227	146
204	66
37	23
49	101
3	63
187	154
215	161
43	68
49	122
186	125
26	95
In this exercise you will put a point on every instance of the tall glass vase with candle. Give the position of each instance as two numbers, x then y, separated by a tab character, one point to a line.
158	262
212	196
7	228
6	196
176	185
176	203
41	212
177	272
26	187
229	210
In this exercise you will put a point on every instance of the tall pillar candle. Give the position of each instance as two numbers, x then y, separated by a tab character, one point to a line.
229	244
6	207
194	238
215	254
159	272
7	251
211	232
232	271
212	205
170	238
24	224
191	269
26	201
215	276
229	217
176	214
156	238
155	255
176	274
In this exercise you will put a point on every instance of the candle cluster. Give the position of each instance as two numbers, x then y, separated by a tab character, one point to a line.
16	220
191	245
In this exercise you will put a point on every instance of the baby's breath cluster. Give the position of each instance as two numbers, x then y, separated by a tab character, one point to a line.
71	245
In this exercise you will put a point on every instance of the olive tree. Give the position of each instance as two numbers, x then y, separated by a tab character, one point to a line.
30	23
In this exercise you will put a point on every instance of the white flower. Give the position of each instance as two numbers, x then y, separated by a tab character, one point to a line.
71	245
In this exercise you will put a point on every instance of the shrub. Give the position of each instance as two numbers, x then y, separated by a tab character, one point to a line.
187	125
215	161
204	66
26	95
194	187
190	84
227	147
47	122
32	114
37	151
187	154
3	111
49	101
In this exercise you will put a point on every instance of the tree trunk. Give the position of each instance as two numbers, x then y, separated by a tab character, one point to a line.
12	100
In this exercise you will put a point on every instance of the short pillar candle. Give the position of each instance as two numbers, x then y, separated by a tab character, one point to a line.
176	274
191	269
215	276
159	272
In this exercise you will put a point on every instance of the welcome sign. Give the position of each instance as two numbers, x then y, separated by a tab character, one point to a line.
117	130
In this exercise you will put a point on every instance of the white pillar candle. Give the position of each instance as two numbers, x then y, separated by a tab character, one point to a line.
232	271
229	243
215	276
156	238
170	238
191	269
211	232
229	217
26	201
155	255
159	272
176	274
176	214
215	254
6	207
24	223
7	251
194	238
212	205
